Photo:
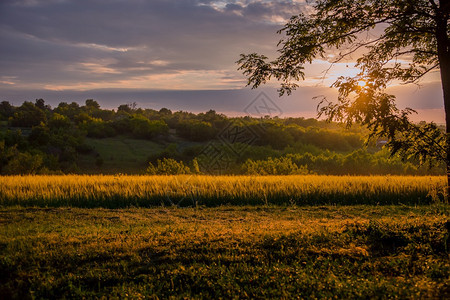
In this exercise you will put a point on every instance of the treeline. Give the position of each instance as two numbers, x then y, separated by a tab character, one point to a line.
38	139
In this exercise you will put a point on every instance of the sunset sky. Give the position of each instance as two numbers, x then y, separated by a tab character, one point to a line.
178	54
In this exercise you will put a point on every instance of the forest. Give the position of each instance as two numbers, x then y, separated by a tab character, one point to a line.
87	139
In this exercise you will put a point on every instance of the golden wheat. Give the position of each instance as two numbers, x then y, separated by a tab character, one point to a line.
120	191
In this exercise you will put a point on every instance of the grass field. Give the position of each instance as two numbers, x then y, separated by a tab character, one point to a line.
225	252
149	191
119	154
122	154
236	237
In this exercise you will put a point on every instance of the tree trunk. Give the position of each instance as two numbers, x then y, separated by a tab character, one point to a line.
443	47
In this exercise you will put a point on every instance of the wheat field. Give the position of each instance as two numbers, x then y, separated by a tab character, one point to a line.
184	190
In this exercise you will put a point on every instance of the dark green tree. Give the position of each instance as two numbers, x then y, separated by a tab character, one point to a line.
147	129
129	107
92	104
165	111
6	110
39	135
28	115
196	130
40	103
384	31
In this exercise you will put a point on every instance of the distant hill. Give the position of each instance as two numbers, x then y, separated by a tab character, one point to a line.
71	138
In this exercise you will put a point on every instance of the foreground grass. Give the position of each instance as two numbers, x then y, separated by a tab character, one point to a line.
255	252
185	190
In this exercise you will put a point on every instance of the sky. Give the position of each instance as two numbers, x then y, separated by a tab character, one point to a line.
178	54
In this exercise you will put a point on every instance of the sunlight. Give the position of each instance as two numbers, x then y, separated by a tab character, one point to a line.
362	83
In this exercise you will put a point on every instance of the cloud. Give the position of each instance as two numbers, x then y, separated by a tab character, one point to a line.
70	45
58	42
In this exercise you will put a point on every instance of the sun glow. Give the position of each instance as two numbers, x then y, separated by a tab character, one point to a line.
362	83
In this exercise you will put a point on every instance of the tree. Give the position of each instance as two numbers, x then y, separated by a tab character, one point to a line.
28	115
165	111
91	104
40	103
129	108
196	130
6	110
39	135
147	129
386	32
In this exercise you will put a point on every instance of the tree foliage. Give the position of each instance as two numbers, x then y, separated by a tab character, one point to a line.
28	115
279	146
400	41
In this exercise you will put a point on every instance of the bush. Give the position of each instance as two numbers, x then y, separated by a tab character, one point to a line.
24	163
168	166
273	166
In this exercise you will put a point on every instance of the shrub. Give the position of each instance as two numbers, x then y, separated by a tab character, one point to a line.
24	163
273	166
168	166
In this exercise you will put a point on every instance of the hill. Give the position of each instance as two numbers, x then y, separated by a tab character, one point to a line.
71	138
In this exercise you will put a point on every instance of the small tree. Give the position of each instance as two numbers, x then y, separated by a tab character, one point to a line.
417	30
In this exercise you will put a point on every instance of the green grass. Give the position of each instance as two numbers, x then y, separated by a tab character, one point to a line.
225	252
120	155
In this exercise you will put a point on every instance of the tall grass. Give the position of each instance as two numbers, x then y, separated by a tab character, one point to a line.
185	190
